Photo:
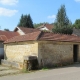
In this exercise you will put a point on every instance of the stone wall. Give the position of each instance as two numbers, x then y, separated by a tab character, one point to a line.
16	51
78	53
51	53
12	64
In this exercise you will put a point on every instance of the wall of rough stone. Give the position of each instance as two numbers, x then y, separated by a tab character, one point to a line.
78	53
51	53
14	64
16	51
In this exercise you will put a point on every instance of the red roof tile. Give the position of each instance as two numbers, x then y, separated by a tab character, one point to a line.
59	37
28	30
27	37
3	38
4	35
49	26
43	36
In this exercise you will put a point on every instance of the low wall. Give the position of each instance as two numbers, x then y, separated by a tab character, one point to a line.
12	64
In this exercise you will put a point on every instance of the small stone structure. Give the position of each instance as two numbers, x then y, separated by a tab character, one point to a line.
50	49
30	62
48	53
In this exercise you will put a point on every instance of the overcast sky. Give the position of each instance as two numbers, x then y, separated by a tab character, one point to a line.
40	11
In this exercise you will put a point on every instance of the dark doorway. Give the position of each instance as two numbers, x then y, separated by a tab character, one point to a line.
75	53
32	64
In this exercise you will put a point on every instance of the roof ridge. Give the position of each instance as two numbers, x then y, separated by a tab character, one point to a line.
63	34
39	35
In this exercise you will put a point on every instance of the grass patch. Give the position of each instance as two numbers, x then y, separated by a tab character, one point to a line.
45	68
27	71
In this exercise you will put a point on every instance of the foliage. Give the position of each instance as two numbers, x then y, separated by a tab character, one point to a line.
63	30
62	23
6	30
77	24
26	21
45	68
37	25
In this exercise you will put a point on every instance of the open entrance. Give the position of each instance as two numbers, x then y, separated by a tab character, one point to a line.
30	62
75	53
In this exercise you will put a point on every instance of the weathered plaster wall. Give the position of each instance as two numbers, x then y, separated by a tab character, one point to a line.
16	51
55	53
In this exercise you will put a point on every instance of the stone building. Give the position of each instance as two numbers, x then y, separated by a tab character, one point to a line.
49	48
5	35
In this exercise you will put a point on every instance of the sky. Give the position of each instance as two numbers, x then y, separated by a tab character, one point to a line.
40	11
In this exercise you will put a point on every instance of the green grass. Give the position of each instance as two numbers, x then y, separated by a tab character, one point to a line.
45	68
25	71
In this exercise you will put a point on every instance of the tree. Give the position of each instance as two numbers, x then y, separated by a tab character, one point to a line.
36	25
6	30
77	24
62	23
30	22
26	21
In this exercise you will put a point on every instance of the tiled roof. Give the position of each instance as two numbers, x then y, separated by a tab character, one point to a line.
26	37
3	38
43	36
49	26
4	35
59	37
28	30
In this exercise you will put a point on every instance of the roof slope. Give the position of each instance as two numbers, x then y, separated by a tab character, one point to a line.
43	36
4	35
28	30
59	37
3	38
26	37
49	26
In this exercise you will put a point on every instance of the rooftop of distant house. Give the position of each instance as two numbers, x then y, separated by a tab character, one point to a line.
48	26
26	30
